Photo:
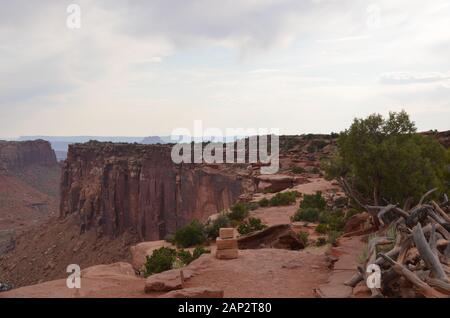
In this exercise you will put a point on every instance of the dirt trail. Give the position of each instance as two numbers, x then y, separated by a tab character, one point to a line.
347	253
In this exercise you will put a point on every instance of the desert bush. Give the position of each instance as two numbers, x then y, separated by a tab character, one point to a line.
190	235
315	170
335	221
283	198
298	170
322	228
321	241
252	206
333	237
263	202
212	229
307	214
161	260
239	212
315	201
303	237
165	258
250	226
199	251
184	256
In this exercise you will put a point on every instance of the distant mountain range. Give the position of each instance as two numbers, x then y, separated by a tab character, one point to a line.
60	144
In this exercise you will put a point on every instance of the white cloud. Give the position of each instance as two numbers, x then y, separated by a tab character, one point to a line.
141	68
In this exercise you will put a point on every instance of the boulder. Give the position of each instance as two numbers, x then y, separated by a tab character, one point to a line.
165	281
195	292
140	252
356	222
109	270
277	236
274	183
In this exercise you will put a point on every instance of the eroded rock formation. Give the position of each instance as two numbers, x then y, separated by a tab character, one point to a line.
16	155
120	187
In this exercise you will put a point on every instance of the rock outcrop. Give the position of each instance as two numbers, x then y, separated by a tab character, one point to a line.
16	155
277	236
120	187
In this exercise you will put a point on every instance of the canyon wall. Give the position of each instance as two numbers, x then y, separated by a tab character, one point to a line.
17	155
130	187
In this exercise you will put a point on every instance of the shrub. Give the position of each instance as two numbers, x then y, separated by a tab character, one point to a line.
212	229
335	221
169	238
311	148
250	226
199	251
283	198
239	211
333	237
303	237
315	170
298	170
165	258
252	206
190	235
161	260
315	201
263	202
322	228
184	256
308	214
321	241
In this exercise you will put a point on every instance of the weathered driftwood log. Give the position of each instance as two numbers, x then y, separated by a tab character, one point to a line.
447	251
443	231
423	287
433	241
439	285
383	211
444	215
401	244
416	215
426	194
394	252
413	256
430	259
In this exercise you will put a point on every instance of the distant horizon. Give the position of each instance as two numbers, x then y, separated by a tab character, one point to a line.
15	138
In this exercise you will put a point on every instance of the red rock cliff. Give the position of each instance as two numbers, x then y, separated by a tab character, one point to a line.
16	155
119	187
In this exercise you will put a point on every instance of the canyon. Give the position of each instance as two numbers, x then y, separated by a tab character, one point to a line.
114	195
114	188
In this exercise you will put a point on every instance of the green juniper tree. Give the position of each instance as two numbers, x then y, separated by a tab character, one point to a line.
387	159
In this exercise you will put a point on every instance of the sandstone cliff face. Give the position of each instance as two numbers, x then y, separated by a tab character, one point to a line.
18	155
120	187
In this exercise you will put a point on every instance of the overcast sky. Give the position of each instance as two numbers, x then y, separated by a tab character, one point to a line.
147	67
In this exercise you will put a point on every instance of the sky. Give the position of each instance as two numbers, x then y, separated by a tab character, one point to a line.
139	68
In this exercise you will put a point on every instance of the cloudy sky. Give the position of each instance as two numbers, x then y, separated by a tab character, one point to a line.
138	68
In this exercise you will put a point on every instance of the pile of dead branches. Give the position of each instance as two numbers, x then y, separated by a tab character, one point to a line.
411	248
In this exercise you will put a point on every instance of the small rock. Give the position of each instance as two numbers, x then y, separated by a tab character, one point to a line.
195	292
165	281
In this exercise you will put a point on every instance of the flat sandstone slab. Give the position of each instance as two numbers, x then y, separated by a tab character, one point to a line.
226	244
226	233
227	254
